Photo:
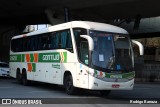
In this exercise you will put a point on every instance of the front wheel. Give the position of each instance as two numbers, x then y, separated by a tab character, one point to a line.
68	84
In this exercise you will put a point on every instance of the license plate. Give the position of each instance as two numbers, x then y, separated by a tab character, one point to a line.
115	85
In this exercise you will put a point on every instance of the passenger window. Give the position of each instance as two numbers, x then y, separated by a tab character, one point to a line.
47	41
17	45
13	45
69	41
32	43
61	40
43	42
66	40
25	44
53	41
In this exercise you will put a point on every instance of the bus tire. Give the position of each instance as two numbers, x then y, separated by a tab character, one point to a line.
25	82
18	76
105	92
68	84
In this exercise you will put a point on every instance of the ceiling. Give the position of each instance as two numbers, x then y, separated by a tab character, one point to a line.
22	12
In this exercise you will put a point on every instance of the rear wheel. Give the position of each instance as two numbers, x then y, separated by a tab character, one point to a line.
68	84
24	78
18	76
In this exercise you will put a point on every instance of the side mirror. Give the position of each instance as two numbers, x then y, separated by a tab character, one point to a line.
141	48
90	41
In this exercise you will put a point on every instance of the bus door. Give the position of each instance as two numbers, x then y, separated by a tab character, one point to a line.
82	74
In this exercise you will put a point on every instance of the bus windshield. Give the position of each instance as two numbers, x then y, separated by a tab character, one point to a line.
111	51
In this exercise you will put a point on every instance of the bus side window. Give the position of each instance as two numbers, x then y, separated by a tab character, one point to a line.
63	39
43	42
48	42
14	46
25	43
53	40
29	44
66	41
17	45
20	41
32	44
35	42
69	42
58	40
39	42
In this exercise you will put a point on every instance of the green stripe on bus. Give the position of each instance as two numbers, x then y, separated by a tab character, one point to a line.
33	67
31	57
42	57
128	75
65	56
15	58
23	58
125	75
110	75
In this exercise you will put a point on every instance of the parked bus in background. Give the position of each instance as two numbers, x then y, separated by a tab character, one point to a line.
77	54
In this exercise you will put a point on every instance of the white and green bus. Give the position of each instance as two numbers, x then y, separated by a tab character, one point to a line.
77	54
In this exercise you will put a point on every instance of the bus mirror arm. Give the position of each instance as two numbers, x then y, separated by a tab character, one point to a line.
141	48
90	41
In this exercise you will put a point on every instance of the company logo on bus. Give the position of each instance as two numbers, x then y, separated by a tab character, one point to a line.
115	76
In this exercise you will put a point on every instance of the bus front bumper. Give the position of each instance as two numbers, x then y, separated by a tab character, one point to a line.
98	84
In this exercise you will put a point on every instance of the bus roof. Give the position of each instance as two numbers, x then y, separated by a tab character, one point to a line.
98	26
77	24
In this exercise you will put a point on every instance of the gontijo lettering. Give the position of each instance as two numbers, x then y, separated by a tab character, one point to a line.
51	57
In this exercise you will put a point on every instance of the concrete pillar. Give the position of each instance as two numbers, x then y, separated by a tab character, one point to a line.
52	20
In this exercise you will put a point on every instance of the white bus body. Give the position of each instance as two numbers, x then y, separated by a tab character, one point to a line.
30	61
